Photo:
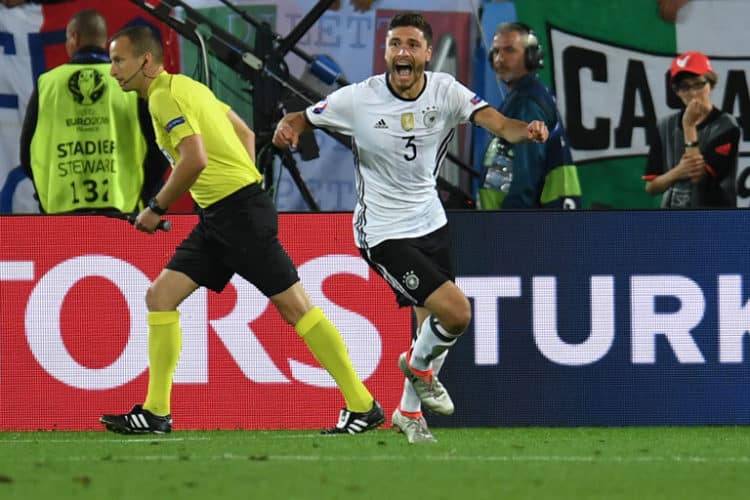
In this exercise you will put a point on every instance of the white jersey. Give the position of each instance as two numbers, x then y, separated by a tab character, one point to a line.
398	145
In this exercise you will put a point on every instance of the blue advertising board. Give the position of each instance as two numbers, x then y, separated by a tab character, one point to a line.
601	318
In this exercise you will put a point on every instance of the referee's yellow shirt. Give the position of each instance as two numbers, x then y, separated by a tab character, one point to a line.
181	107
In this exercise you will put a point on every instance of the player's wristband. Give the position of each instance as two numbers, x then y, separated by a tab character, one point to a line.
691	144
154	206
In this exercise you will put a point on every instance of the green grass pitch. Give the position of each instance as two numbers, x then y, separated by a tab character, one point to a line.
465	464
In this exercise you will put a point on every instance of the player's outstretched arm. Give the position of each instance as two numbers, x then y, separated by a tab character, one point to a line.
510	129
289	128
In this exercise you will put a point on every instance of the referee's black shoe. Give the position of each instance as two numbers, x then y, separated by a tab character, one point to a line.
352	422
137	421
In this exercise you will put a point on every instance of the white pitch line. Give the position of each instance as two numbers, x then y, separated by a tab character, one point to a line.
385	458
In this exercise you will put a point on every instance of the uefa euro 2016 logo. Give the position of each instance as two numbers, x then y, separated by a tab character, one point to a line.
86	85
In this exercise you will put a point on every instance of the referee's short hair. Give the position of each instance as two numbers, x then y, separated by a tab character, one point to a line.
143	39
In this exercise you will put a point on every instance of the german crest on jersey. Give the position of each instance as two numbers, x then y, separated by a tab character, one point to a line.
429	116
407	121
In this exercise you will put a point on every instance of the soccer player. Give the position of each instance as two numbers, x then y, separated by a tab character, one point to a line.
401	123
212	151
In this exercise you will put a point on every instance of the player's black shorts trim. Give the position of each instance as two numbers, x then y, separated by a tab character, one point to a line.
413	267
237	234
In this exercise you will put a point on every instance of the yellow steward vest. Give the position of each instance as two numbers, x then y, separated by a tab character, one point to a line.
87	151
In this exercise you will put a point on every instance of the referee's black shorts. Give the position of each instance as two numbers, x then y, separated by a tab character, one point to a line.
413	267
238	234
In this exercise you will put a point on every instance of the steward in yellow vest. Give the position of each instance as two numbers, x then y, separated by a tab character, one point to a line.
87	144
84	153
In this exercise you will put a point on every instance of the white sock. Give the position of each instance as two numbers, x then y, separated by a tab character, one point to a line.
431	342
438	362
409	400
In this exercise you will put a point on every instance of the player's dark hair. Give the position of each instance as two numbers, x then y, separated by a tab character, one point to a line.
413	19
143	39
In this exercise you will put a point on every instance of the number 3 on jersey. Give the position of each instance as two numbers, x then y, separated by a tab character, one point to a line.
410	147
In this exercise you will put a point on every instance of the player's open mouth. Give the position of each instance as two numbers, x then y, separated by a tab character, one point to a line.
403	69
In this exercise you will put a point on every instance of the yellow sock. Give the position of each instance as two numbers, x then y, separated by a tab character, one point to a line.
325	342
164	344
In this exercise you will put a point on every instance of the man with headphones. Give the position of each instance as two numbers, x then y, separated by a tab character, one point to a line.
526	175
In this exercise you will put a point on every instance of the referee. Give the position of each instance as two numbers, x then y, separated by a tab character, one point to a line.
212	152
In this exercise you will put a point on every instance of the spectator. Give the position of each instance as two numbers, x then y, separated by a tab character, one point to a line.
86	144
693	155
526	175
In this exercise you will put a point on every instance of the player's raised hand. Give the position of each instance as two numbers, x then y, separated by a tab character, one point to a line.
285	135
537	131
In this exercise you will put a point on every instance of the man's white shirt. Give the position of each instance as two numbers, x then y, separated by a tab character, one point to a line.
398	147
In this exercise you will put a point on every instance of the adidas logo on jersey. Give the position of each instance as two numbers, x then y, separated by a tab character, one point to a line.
381	124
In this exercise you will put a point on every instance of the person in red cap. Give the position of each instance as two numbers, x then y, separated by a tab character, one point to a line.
693	157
